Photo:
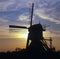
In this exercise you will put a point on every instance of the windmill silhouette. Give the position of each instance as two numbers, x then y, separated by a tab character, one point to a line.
35	32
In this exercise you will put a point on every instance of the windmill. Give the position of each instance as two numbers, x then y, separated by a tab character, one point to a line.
32	29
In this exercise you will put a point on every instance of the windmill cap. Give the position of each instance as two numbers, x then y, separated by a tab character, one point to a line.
36	27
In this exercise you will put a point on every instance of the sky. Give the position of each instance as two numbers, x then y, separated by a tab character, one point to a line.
17	12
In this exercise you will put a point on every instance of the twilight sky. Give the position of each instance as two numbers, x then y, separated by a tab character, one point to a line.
17	12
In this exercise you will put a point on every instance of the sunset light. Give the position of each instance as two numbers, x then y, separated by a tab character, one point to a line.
46	34
23	35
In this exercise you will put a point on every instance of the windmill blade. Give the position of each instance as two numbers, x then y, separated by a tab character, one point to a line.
32	14
14	26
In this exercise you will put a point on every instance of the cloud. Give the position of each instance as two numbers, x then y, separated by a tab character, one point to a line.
16	10
46	16
23	18
16	4
3	20
16	17
13	4
48	10
3	0
54	30
4	5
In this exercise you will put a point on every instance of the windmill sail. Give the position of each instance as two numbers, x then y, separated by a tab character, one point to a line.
32	14
14	26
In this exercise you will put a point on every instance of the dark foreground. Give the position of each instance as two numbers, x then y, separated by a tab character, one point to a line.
29	54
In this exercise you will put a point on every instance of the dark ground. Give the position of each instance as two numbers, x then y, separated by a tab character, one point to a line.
30	54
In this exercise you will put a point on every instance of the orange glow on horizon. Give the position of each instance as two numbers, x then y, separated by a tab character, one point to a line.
22	34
